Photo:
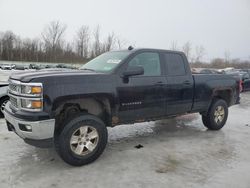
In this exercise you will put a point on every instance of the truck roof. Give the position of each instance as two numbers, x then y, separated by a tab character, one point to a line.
149	49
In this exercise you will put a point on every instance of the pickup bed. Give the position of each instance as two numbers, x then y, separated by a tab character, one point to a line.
71	109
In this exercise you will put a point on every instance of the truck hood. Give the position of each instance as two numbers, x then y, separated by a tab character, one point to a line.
27	76
2	84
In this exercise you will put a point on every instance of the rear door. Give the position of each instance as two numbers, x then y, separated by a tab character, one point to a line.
179	92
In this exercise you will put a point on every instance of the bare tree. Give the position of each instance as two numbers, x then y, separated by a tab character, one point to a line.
8	45
199	53
18	49
97	44
109	43
52	47
227	56
68	52
1	45
174	45
120	43
53	38
187	49
82	41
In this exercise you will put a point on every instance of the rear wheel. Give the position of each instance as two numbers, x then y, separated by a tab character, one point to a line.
217	115
82	140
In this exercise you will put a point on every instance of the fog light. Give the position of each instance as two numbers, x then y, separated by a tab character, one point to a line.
24	127
28	127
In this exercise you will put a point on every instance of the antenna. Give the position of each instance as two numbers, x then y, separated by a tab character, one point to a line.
130	48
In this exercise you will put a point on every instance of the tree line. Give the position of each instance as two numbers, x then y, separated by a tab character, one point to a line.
88	43
195	55
51	46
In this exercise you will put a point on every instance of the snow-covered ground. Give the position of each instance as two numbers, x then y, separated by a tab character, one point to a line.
4	74
176	152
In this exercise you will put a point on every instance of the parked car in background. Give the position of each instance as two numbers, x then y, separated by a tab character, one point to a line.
246	81
20	67
63	66
245	70
227	70
34	66
3	96
204	71
6	67
49	66
243	78
208	71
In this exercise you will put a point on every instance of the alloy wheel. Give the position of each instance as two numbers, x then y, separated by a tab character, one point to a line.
219	114
84	140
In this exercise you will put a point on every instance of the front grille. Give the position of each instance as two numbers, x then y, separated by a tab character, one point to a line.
13	101
13	87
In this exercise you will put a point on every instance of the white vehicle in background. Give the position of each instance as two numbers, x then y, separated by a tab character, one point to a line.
7	66
226	70
4	76
3	96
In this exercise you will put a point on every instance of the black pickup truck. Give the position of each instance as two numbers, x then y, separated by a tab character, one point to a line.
71	109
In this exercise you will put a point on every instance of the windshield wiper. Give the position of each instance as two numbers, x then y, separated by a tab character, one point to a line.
88	69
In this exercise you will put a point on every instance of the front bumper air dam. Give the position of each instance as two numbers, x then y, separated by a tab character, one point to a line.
36	133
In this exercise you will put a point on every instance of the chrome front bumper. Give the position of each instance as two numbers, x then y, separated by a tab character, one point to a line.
40	130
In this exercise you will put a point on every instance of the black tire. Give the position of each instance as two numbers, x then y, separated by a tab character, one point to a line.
3	101
63	137
210	120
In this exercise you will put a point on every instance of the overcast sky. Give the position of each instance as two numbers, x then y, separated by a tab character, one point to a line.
218	25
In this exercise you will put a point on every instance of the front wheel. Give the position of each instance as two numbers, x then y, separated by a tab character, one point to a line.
3	102
82	140
217	115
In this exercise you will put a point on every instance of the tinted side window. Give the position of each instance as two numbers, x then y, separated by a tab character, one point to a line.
149	61
175	64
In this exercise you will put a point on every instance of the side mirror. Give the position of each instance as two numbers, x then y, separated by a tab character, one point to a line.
133	71
245	77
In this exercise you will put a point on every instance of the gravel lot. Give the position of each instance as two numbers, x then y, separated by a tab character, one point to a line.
176	152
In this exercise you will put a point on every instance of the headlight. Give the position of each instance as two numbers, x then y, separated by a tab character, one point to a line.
36	90
26	96
31	104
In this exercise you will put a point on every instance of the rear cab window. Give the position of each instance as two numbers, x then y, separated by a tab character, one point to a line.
175	64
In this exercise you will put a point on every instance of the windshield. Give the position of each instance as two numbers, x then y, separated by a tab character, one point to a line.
106	62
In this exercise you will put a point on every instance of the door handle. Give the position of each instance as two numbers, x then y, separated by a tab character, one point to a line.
159	83
187	82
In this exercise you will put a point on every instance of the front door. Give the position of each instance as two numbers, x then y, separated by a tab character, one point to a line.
142	97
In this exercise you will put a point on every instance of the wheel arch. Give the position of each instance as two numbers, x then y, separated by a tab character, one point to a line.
225	94
4	97
98	106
